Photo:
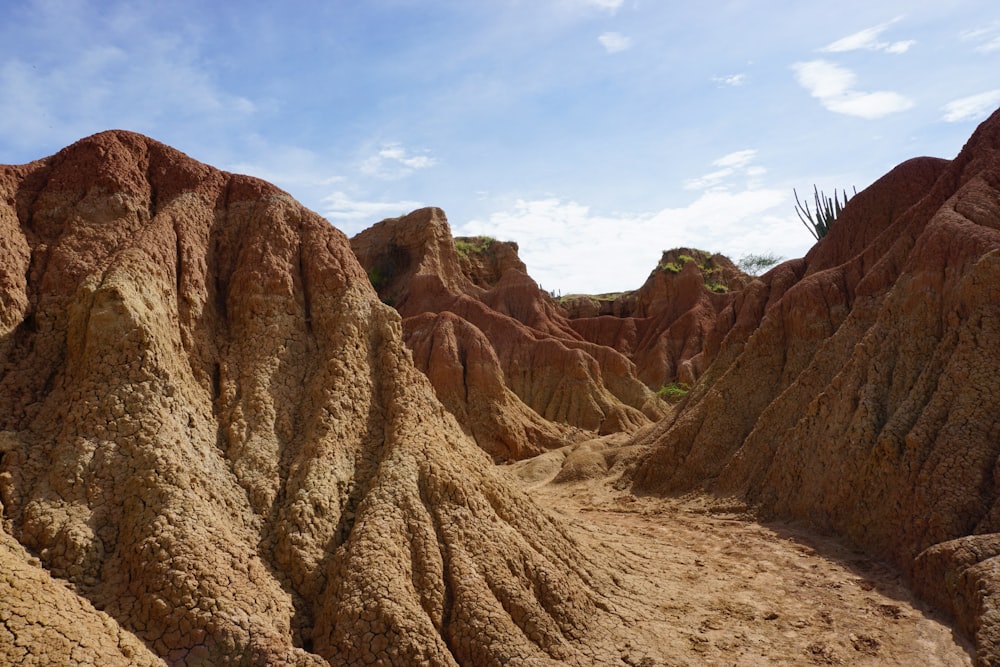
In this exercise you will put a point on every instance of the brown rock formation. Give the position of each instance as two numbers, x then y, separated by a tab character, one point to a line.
666	325
463	367
547	368
213	442
483	259
858	387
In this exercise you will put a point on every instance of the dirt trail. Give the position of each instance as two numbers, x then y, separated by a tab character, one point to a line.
726	590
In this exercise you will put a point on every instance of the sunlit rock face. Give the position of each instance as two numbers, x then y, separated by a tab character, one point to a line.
500	352
858	388
216	448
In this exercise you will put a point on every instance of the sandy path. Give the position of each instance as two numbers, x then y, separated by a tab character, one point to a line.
720	589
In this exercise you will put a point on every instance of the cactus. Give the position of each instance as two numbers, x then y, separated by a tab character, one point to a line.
827	211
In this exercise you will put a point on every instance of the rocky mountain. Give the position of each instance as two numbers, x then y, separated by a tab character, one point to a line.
666	327
230	435
215	448
857	388
499	351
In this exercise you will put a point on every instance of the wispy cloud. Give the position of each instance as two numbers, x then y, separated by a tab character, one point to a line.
972	108
353	215
987	38
736	163
736	159
833	86
869	39
108	79
730	79
613	42
392	161
607	5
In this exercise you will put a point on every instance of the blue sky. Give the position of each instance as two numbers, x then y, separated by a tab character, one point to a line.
595	133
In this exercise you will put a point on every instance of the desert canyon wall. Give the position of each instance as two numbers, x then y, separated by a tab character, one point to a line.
231	435
855	388
858	388
500	354
216	449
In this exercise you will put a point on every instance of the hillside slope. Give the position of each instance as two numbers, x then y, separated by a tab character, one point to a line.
858	387
215	448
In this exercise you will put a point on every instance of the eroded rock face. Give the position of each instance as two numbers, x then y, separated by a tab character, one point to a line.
484	260
211	429
858	388
465	371
540	379
667	326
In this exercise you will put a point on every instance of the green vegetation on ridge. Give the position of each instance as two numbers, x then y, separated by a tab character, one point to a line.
473	245
712	274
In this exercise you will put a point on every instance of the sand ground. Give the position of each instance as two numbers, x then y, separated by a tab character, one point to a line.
708	585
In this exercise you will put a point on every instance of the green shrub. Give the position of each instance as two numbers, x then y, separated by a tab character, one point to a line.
673	392
718	288
377	278
473	245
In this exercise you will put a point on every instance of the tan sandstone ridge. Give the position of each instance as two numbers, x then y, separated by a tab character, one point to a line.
857	388
524	372
666	327
215	448
499	351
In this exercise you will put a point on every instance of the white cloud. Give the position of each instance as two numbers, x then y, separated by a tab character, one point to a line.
734	163
613	42
988	38
392	162
355	214
824	79
990	46
833	86
730	79
568	247
737	159
607	5
869	105
709	180
868	39
973	107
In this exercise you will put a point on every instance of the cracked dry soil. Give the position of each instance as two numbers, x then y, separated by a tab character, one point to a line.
711	586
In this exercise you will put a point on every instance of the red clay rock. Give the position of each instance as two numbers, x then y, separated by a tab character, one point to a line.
465	372
665	326
542	361
858	388
485	259
211	429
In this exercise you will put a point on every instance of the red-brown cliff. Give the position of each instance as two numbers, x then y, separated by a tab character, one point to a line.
215	449
858	388
665	326
549	372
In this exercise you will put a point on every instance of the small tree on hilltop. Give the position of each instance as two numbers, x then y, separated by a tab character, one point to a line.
753	265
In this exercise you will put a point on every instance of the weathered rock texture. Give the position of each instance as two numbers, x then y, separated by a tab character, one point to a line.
215	449
666	326
499	351
859	387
